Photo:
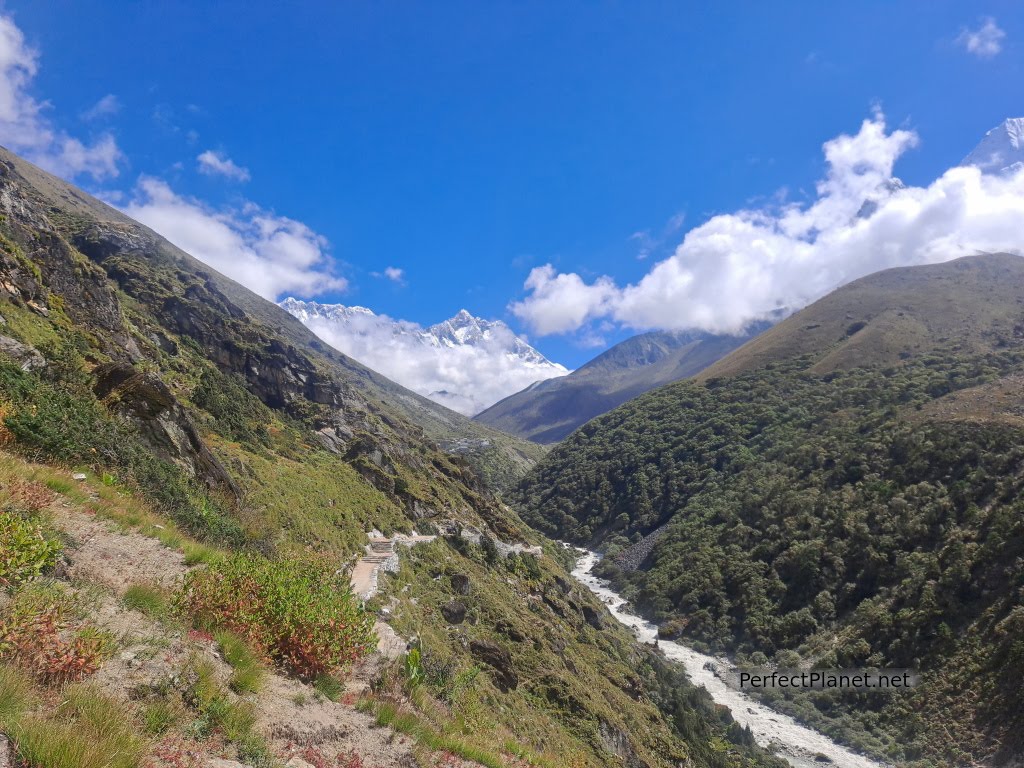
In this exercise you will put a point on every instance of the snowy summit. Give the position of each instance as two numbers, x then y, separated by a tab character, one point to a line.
1002	149
466	363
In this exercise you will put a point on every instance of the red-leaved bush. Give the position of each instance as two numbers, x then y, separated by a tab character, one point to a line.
297	611
39	636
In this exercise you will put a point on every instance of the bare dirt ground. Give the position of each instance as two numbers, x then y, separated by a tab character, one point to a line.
116	560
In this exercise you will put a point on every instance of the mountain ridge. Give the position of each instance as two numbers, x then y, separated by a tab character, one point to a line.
161	403
547	411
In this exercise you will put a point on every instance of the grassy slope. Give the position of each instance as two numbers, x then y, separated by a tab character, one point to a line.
817	511
260	404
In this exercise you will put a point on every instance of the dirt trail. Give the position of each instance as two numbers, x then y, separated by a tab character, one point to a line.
291	714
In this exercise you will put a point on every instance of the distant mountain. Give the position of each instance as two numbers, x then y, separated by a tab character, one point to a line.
1002	149
547	411
465	363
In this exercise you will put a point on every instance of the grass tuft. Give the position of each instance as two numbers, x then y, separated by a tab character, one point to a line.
148	599
81	734
247	672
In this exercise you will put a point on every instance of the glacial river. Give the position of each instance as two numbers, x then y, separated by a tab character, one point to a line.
798	744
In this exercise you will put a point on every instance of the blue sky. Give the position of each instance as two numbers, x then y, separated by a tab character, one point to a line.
466	144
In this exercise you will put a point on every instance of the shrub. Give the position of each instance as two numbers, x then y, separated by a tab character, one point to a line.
39	634
297	611
28	498
25	553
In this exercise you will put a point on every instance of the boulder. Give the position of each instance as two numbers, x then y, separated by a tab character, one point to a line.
454	612
593	617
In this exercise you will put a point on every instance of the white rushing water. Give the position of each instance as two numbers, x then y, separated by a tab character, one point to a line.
798	744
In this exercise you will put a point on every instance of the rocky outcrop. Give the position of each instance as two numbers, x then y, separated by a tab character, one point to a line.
617	742
500	662
25	356
631	558
162	422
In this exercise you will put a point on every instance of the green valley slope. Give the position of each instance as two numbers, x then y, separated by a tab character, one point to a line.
843	490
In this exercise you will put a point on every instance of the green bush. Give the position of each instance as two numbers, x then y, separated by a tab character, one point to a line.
25	552
297	611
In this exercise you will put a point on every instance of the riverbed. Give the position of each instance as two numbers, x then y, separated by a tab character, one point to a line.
801	746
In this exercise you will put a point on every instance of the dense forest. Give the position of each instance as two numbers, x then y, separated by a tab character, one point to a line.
861	517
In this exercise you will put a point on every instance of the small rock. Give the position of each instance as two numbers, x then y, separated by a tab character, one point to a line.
297	762
40	308
460	583
79	476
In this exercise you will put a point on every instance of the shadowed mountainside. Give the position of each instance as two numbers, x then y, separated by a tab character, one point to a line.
547	411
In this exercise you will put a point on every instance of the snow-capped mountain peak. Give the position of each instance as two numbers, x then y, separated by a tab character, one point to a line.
464	362
1001	151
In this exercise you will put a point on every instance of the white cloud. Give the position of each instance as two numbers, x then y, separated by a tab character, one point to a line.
466	377
559	303
24	126
984	42
267	253
755	263
218	164
394	274
108	105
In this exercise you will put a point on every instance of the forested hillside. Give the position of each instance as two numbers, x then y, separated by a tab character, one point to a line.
806	512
